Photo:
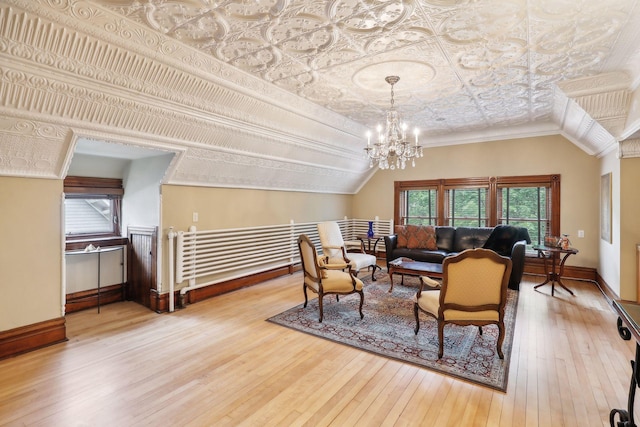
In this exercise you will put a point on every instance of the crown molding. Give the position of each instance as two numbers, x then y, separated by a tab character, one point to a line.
629	148
605	97
95	41
579	127
86	79
595	85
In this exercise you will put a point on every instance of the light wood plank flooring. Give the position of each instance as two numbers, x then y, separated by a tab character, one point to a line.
218	362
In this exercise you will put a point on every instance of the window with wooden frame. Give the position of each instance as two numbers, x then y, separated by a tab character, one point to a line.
530	201
92	207
419	206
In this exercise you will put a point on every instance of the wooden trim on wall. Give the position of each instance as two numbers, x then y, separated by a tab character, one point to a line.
82	300
32	337
492	184
88	185
533	265
231	285
160	302
606	290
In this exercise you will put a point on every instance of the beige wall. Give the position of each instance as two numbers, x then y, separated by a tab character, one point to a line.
31	255
220	208
609	264
31	214
528	156
629	226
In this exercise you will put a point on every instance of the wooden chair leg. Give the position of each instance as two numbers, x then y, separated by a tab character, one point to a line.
480	329
415	313
500	339
320	307
440	339
304	289
361	303
373	273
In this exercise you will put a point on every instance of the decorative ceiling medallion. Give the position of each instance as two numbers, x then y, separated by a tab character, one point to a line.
421	73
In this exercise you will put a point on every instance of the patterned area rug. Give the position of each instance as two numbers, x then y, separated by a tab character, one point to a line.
387	330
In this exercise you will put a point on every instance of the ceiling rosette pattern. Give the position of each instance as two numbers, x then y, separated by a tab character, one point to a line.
463	64
278	94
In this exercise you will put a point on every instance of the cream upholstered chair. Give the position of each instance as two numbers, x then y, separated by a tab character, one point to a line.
323	278
336	249
473	292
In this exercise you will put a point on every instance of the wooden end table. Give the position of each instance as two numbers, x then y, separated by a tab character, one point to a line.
554	275
376	238
413	268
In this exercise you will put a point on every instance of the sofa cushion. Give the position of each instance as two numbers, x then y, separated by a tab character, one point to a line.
401	232
445	236
421	237
502	239
423	255
470	237
416	236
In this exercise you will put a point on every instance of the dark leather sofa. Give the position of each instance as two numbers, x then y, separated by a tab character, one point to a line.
506	240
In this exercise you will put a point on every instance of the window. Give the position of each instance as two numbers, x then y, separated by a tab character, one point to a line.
532	202
92	207
420	206
525	207
466	207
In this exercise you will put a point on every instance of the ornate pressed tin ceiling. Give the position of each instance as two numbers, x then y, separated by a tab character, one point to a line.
464	65
278	93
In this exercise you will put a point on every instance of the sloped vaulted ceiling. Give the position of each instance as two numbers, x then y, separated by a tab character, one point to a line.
278	94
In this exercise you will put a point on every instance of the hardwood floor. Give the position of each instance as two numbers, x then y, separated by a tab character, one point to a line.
218	362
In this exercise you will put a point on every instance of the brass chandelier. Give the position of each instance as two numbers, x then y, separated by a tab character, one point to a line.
392	149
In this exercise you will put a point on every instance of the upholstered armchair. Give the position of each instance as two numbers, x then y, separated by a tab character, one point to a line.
323	278
337	250
473	292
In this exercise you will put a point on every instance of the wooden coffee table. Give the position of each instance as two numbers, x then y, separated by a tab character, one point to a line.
413	268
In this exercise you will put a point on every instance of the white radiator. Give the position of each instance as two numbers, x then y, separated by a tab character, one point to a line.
208	257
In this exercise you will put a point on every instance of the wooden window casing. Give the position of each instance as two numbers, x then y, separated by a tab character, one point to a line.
493	187
96	188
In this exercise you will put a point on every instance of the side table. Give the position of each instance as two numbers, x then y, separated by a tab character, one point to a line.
99	251
376	238
554	275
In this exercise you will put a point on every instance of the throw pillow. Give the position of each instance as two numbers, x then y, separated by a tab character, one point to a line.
401	231
421	237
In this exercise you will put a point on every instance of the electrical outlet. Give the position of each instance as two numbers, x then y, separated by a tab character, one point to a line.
195	217
580	233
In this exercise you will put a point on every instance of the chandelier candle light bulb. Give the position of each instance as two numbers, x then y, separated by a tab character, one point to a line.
392	150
